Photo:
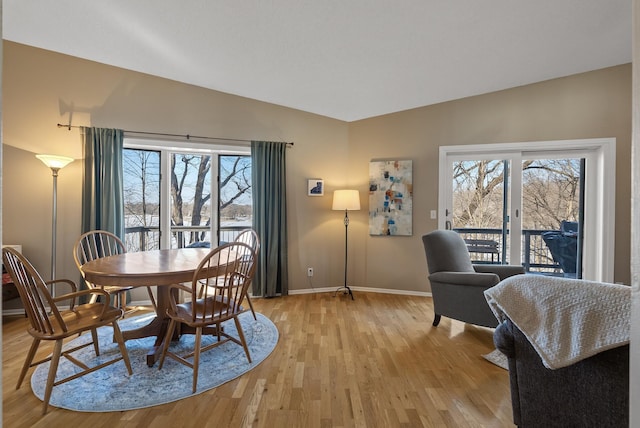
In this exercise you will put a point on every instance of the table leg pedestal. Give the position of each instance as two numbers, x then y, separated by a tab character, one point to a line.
157	327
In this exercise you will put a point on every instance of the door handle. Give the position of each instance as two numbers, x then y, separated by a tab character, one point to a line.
447	225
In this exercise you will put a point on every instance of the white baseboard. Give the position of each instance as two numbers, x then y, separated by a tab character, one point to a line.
363	289
11	312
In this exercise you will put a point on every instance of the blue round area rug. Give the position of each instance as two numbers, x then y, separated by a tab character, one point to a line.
112	389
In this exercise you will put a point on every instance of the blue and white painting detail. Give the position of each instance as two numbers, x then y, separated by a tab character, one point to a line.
390	198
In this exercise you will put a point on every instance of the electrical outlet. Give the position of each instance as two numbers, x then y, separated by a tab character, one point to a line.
310	271
434	215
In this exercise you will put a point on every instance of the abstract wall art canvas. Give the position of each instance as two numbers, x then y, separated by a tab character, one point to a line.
390	198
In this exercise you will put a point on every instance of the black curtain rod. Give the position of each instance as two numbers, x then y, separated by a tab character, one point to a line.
162	134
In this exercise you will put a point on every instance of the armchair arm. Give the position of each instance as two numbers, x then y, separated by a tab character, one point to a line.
72	296
503	271
503	339
180	287
70	283
72	286
466	278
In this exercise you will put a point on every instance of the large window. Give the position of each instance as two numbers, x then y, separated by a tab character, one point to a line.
141	170
234	194
185	195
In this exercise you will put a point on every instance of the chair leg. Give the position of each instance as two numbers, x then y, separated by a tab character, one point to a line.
27	362
196	358
242	339
121	301
153	299
53	368
436	320
94	337
251	307
166	341
123	349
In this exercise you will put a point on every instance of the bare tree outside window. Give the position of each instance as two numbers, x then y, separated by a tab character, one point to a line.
550	196
478	187
190	198
235	188
550	193
141	170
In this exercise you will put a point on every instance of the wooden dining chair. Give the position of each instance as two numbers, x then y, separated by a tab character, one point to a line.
100	243
208	307
48	322
250	237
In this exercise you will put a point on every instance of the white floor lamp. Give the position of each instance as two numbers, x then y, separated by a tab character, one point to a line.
347	200
56	163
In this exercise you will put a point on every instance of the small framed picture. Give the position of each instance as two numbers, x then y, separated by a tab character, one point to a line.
315	187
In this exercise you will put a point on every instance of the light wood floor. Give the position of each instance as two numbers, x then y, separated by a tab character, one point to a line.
372	362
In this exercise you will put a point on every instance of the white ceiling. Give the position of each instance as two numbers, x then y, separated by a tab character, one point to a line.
345	59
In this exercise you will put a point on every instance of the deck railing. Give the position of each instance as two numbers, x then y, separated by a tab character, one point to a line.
142	238
536	256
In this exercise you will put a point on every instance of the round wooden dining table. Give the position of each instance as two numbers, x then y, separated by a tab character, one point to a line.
159	268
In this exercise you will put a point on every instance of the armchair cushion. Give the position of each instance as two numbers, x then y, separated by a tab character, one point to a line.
503	271
466	278
446	251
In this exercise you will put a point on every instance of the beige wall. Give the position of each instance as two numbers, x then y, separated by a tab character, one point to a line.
38	87
596	104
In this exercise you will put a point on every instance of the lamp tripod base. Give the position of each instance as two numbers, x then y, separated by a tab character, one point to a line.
346	289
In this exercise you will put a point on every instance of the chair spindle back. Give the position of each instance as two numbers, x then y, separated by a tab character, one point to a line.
225	273
96	244
35	296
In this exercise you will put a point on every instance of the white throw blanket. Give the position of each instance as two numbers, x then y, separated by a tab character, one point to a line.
566	320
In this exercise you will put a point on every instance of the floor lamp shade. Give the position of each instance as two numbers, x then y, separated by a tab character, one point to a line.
56	163
346	200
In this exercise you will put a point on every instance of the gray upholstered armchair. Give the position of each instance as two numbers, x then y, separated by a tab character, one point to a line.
457	285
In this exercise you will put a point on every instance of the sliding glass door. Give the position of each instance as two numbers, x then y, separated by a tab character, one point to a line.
516	205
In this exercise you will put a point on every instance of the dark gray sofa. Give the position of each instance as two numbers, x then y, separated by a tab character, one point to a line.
593	392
